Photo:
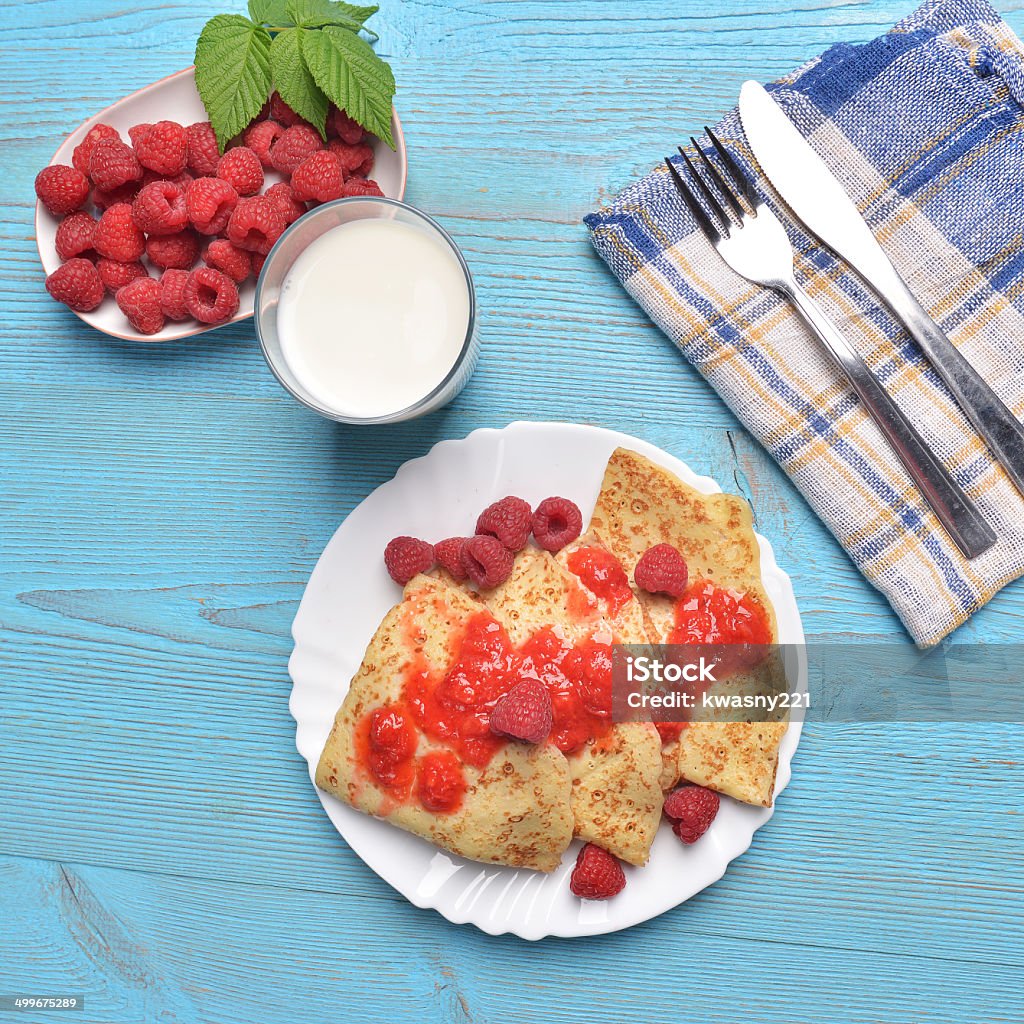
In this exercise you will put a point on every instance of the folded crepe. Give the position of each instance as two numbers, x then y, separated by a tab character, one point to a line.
616	793
601	781
515	811
640	505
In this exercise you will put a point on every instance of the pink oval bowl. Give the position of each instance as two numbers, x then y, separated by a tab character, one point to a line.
175	99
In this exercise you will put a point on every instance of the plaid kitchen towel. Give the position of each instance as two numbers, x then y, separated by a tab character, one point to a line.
924	126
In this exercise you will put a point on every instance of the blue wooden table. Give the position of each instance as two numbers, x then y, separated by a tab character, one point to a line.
161	849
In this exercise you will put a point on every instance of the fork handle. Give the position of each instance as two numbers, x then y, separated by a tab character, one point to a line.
954	509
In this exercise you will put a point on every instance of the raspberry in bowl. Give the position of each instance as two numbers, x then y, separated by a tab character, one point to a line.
366	312
141	141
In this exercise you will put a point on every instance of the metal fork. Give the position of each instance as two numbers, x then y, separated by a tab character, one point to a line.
755	244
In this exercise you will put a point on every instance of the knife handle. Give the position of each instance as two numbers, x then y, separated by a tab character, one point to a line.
953	508
993	420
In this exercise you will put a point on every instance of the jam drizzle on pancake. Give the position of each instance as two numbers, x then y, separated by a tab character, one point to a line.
602	574
453	709
709	614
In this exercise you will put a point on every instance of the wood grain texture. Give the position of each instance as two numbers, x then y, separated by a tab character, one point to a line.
162	851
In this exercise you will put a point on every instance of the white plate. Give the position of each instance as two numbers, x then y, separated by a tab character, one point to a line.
175	99
440	495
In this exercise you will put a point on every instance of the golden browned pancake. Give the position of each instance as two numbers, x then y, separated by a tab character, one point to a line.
616	792
523	803
516	811
641	505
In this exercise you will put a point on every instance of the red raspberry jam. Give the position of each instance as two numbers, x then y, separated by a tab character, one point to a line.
441	784
708	614
589	668
669	731
602	574
386	743
453	709
579	680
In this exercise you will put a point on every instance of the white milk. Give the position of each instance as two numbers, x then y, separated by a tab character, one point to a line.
372	317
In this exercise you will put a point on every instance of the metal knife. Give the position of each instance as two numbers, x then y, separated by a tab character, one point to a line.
812	192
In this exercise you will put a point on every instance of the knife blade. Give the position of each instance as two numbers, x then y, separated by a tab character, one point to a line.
823	205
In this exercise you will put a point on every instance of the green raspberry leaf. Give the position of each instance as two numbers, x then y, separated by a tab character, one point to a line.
353	77
317	13
293	80
232	73
270	12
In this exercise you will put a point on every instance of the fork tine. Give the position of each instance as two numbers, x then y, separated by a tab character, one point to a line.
703	220
712	172
732	166
709	197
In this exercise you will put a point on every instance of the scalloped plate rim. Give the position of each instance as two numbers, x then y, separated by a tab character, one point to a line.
731	846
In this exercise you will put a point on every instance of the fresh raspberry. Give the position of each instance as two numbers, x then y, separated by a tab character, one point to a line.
176	252
172	294
62	189
202	151
692	809
355	160
106	198
661	570
597	875
319	177
356	186
557	522
211	297
282	113
258	259
140	302
83	151
136	134
117	235
76	236
182	180
509	520
115	275
210	203
449	556
163	148
524	713
404	557
112	164
260	137
256	224
241	168
77	284
159	209
349	131
148	177
487	561
294	145
282	196
226	257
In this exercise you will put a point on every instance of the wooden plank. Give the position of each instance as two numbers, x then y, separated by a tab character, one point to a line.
163	851
145	947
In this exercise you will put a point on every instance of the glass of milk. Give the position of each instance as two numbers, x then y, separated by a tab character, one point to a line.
366	312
